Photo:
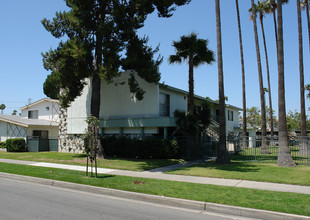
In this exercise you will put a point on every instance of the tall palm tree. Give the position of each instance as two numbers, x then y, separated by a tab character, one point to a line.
262	8
2	107
305	5
244	123
195	52
272	10
303	148
284	156
222	156
301	75
264	148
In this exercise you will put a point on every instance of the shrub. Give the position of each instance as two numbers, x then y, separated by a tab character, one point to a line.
143	149
16	145
2	144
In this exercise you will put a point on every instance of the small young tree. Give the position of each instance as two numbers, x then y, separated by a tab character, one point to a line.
92	143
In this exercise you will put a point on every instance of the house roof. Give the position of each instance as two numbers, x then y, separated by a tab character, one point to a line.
25	122
161	85
38	102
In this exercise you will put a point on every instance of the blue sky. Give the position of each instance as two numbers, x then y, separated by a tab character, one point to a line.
23	39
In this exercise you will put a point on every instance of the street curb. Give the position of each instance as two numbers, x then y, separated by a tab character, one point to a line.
183	203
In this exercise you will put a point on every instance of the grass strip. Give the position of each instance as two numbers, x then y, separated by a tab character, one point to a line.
264	172
80	159
259	199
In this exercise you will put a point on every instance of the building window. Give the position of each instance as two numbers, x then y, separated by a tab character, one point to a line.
40	134
164	104
33	114
230	115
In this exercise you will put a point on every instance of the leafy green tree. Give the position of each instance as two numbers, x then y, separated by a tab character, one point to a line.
222	157
97	35
293	120
260	78
195	52
2	107
14	112
284	156
254	119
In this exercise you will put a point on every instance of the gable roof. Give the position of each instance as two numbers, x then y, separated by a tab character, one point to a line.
25	122
38	102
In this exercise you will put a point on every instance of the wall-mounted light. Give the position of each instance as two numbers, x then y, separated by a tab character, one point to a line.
47	108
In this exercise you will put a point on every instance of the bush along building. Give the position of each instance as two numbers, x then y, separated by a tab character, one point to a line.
122	114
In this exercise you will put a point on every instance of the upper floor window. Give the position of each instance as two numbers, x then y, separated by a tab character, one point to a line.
164	104
33	114
230	115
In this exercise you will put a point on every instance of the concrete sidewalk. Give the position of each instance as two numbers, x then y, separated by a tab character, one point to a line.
158	174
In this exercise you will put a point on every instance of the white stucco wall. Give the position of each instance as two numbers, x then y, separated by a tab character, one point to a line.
79	110
117	101
46	110
230	125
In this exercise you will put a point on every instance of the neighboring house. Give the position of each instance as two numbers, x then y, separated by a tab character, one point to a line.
122	114
38	119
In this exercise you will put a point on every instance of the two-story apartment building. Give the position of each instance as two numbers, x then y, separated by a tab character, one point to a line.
122	114
38	119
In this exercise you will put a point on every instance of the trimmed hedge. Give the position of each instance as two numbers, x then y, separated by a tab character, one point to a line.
16	145
2	144
142	149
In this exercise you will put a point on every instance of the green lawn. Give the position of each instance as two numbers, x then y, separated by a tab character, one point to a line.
243	170
259	199
80	159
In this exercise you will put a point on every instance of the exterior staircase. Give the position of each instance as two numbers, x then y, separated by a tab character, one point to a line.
213	130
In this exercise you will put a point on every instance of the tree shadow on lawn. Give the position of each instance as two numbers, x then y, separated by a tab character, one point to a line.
79	156
236	166
100	176
147	164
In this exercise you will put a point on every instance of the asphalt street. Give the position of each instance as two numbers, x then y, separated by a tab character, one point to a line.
24	200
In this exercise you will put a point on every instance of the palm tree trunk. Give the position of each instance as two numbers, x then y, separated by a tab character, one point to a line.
264	149
284	157
275	22
244	123
190	101
303	147
222	156
268	80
